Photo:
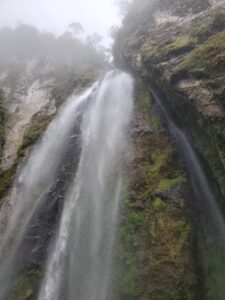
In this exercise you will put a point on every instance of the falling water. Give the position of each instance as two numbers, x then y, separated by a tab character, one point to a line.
210	215
79	262
210	220
34	181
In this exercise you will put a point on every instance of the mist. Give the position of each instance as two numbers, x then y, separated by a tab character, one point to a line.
54	16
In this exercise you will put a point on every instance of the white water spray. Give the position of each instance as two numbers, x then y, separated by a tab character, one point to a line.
80	260
35	179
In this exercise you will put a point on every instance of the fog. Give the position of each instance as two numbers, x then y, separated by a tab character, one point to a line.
42	29
55	15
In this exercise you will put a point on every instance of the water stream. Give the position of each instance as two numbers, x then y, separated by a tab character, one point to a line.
32	184
79	236
210	215
79	264
210	225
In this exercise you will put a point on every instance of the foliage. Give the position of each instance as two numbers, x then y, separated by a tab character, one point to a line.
26	42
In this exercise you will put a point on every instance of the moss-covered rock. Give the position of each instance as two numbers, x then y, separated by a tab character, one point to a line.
31	136
67	82
65	85
183	58
26	284
156	242
3	117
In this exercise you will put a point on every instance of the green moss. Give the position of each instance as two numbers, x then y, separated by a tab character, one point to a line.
154	248
179	42
3	118
153	52
154	255
66	86
26	284
167	183
158	160
67	82
209	55
32	134
202	50
6	178
210	24
134	221
35	130
158	204
183	230
128	274
149	49
145	103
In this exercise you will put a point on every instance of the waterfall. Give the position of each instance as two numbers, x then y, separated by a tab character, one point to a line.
67	196
32	185
210	216
79	262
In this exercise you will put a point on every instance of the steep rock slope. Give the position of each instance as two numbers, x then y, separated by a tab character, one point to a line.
181	51
38	72
30	104
33	91
177	48
31	95
156	247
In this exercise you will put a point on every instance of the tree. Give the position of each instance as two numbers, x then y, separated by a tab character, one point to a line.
94	40
76	28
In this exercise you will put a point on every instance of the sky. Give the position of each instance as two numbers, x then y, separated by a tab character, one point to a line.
55	15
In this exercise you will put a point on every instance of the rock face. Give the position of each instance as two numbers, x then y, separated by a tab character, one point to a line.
181	51
177	48
33	91
31	102
33	250
155	246
24	98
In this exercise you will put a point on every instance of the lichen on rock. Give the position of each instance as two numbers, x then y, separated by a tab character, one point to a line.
155	233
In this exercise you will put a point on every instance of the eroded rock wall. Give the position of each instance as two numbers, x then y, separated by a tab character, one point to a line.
156	242
177	48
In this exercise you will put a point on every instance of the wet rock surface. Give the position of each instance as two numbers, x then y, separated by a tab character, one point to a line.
46	218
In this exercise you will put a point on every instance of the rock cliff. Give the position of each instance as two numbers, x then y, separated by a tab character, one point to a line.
176	49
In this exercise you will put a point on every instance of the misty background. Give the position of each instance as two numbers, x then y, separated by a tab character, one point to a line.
55	15
63	32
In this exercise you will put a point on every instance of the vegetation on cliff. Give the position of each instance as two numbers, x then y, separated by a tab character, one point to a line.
155	247
180	51
2	120
25	42
65	64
